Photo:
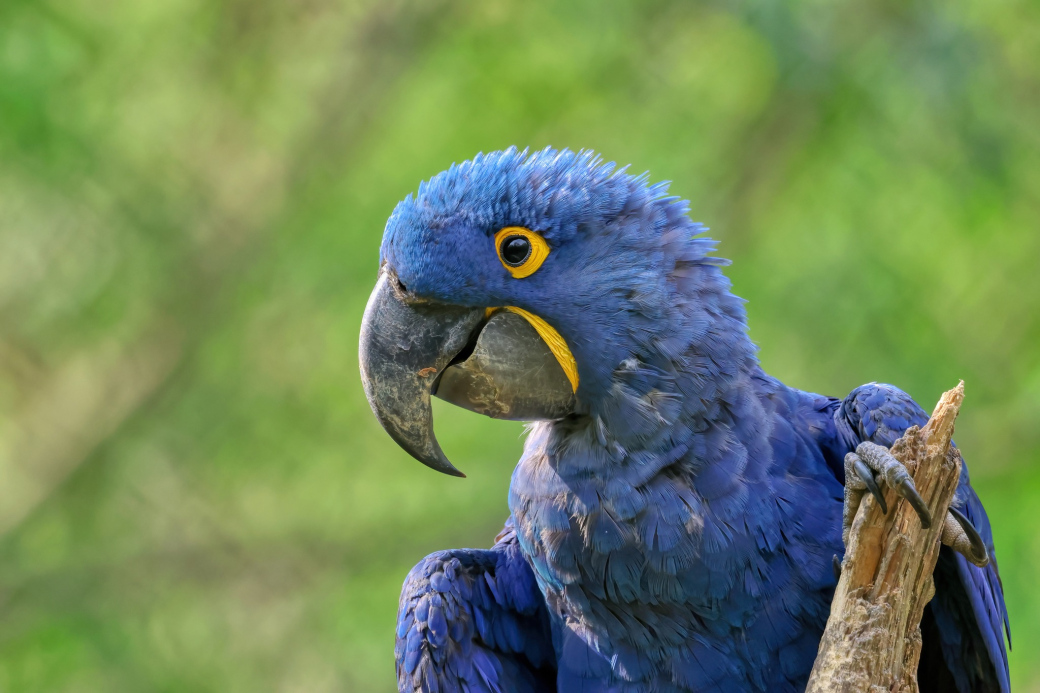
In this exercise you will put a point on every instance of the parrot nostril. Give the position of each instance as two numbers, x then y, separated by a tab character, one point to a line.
396	282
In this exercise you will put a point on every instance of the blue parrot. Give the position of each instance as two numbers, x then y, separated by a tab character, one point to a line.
677	513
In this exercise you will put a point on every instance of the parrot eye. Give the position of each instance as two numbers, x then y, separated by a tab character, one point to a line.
520	250
515	249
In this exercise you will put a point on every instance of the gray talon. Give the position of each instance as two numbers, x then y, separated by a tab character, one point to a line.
836	565
907	490
864	473
979	555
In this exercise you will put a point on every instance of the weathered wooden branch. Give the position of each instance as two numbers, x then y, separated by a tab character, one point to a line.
873	636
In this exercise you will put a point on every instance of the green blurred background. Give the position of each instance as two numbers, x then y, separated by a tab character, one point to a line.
193	493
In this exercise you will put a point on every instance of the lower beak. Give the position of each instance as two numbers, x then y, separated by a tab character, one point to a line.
497	366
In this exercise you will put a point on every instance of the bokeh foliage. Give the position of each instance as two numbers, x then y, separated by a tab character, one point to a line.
194	495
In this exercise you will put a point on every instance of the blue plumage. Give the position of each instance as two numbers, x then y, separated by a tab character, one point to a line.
677	532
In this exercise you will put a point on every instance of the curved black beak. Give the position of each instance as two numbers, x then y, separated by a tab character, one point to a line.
497	366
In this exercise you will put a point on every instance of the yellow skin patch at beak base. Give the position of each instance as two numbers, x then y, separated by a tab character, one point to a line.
557	344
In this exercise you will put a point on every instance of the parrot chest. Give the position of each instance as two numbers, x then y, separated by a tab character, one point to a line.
659	565
639	569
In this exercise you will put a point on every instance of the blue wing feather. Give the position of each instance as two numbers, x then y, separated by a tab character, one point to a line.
474	621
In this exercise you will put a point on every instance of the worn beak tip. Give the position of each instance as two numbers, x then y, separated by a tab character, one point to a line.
440	463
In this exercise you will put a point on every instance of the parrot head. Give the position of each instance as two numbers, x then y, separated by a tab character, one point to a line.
537	287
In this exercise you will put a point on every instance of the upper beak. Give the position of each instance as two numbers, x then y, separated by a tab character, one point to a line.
404	346
498	366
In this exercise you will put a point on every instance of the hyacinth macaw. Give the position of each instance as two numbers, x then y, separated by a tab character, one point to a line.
676	513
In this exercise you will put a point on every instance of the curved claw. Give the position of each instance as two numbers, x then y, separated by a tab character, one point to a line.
836	565
980	556
907	490
864	473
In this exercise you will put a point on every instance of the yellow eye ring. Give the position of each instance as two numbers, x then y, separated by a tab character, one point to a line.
520	250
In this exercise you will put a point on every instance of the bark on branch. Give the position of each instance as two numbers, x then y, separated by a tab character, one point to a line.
873	636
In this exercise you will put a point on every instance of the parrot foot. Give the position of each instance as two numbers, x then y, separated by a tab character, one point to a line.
871	463
861	467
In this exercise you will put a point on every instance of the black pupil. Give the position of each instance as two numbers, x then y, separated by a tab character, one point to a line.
515	250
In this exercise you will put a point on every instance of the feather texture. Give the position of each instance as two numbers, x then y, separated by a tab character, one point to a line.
676	533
